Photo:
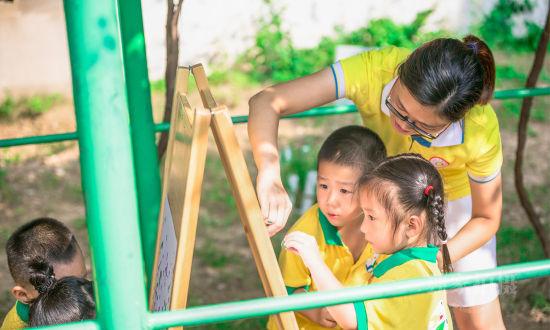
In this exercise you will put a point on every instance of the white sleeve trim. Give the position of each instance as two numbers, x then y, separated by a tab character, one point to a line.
339	80
484	179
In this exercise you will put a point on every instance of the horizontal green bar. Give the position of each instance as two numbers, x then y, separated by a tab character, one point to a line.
342	109
265	306
320	111
82	325
521	93
162	127
38	139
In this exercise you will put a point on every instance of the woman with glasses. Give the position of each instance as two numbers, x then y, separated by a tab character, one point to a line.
434	102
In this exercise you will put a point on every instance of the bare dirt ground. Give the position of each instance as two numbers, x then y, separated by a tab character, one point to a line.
44	180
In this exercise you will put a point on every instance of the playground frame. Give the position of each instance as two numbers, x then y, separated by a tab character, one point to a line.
121	184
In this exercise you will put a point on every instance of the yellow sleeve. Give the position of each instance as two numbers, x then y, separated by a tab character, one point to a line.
295	273
368	72
486	160
12	321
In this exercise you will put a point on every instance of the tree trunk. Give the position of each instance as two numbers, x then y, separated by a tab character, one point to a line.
172	54
522	139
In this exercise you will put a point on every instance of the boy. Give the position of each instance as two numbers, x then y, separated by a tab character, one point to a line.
346	155
41	238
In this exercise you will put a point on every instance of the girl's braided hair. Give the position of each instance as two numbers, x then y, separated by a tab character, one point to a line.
408	184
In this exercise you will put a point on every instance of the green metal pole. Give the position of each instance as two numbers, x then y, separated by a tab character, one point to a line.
141	121
38	139
106	162
266	306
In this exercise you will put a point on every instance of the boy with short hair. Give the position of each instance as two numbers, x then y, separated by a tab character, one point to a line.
41	238
345	156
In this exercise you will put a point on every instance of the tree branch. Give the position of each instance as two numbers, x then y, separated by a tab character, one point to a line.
522	139
172	55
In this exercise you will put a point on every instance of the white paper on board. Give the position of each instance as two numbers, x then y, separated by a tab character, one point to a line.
166	262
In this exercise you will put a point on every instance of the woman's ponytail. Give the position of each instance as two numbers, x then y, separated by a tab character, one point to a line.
450	75
485	58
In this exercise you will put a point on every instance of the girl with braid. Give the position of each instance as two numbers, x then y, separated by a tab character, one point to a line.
68	299
404	216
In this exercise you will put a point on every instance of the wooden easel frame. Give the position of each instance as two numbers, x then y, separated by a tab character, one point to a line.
189	131
247	202
243	191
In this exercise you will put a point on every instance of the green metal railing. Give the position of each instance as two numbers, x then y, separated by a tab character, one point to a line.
142	128
232	311
264	306
315	112
107	162
121	187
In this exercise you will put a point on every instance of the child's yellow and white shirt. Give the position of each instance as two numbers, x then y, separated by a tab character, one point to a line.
421	311
468	149
17	317
335	254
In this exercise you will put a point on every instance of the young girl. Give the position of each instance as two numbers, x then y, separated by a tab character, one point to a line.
403	207
334	222
432	101
68	299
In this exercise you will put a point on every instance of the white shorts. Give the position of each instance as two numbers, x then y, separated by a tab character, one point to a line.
458	213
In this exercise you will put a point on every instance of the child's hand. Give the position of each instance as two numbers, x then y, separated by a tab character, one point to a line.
325	319
304	245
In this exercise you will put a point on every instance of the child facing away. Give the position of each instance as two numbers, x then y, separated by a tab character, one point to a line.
403	206
44	238
69	299
346	155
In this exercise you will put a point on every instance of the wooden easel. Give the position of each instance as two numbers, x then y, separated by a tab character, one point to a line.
181	190
181	186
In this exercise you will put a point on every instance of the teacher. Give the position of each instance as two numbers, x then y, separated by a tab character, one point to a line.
434	102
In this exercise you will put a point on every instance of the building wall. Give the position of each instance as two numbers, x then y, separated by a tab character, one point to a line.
34	56
33	41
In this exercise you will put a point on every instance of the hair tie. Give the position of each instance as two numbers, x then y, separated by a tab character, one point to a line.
427	190
49	281
473	47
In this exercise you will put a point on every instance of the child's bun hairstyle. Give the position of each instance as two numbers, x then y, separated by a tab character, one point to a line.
44	239
408	184
60	301
41	276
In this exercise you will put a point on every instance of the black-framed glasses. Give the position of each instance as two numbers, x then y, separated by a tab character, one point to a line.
411	123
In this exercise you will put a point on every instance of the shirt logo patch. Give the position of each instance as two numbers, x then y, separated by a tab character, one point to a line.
439	162
370	263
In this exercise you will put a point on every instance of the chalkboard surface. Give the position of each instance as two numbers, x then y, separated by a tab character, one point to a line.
166	262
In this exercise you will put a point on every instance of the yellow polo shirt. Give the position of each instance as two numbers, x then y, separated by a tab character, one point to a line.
335	254
421	311
17	317
468	149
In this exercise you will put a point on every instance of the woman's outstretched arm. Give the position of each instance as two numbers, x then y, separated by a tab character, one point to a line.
265	110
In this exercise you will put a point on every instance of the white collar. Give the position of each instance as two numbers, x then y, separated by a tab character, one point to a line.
453	135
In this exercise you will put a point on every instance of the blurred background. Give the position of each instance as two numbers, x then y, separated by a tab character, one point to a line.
245	46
